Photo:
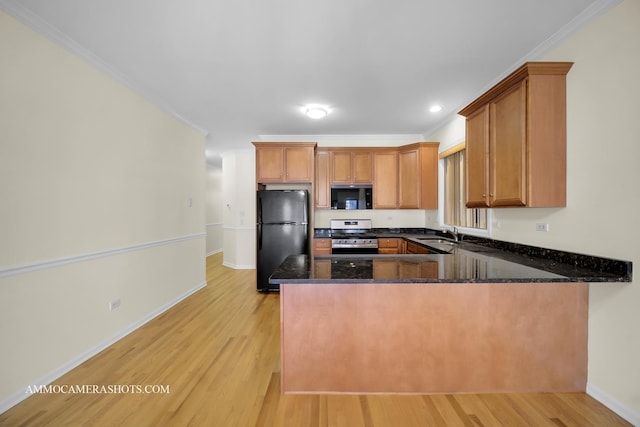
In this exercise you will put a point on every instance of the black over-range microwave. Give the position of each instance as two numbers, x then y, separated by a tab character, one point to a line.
351	197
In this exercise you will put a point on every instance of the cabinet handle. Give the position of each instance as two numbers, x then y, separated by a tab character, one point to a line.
491	195
484	195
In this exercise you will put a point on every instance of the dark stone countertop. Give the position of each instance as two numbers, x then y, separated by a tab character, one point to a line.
474	259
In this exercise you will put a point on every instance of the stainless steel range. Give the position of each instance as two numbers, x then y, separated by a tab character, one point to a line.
353	236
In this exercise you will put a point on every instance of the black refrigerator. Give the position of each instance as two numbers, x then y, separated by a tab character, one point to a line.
282	230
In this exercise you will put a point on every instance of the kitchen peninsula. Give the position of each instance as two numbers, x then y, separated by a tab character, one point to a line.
473	320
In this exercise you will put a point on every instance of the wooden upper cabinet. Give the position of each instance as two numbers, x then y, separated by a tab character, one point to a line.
269	163
408	194
322	184
516	139
351	167
418	176
340	167
477	158
385	179
507	145
362	167
299	164
285	162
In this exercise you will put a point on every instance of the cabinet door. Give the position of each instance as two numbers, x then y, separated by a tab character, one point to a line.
322	246
269	164
385	180
477	157
362	168
409	180
385	269
299	164
323	188
422	250
322	269
429	270
428	171
388	246
508	148
341	167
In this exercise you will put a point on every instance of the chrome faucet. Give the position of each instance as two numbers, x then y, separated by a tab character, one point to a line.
453	232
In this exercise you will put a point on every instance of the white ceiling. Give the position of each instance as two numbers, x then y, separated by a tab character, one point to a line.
238	69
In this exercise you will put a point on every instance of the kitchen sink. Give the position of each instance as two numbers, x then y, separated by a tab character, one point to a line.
437	240
438	244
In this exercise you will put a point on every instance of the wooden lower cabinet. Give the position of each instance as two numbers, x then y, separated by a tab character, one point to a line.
394	268
414	248
415	270
385	269
389	245
322	246
322	268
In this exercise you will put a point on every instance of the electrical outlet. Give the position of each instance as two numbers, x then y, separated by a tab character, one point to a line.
542	227
114	304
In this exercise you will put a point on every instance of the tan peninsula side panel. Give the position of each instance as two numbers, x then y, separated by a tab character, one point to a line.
433	338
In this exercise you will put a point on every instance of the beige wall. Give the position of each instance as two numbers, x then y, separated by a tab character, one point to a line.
380	218
102	199
214	209
603	202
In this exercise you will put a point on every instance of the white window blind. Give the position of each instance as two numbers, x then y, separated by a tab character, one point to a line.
455	211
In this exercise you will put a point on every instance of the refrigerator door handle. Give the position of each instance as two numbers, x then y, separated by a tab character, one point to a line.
259	236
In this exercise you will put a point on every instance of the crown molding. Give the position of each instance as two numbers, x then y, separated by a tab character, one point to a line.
322	140
36	23
585	17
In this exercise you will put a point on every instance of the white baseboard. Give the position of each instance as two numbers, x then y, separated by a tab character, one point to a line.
616	406
19	396
239	266
217	251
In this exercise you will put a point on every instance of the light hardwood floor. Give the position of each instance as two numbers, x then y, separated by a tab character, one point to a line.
218	351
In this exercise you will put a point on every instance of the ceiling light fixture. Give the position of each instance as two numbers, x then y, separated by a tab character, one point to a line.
435	108
315	112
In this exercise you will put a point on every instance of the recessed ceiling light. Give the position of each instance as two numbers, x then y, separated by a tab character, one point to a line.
435	108
315	112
